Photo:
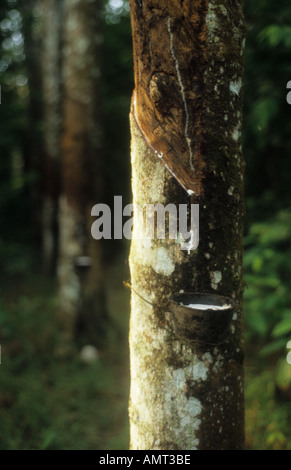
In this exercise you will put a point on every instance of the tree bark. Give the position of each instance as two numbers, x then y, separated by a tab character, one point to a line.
81	292
186	117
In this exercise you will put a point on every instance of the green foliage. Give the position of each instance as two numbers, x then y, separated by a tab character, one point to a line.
267	422
267	123
268	277
275	35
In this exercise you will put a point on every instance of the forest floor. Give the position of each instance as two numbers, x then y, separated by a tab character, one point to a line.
51	399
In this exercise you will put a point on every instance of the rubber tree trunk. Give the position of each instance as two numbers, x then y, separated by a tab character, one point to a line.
52	19
186	117
80	274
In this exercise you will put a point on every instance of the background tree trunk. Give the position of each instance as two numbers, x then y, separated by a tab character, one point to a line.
187	396
81	293
33	151
52	11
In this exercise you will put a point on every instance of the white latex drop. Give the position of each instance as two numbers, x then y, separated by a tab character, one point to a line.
208	307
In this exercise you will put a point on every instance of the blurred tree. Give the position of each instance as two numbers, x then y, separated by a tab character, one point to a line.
33	148
117	84
187	106
52	22
15	177
80	273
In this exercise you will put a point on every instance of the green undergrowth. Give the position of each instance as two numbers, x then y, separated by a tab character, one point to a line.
267	408
50	398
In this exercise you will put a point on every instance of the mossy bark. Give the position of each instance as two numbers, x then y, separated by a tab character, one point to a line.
81	292
188	396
